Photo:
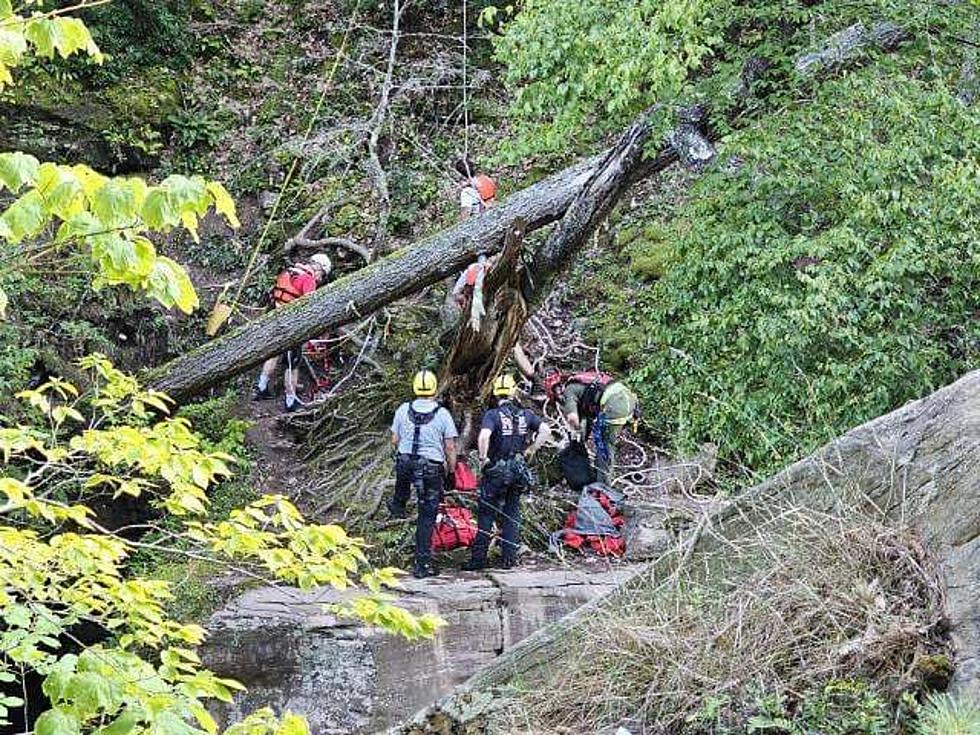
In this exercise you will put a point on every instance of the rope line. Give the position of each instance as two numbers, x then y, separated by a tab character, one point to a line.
292	168
466	101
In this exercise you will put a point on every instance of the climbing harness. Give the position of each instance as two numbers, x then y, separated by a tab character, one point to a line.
419	419
595	385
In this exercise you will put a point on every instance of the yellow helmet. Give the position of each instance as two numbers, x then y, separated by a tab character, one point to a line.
425	383
504	385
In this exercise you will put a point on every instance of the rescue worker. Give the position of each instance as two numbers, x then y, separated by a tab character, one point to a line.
595	405
503	448
477	190
296	281
424	436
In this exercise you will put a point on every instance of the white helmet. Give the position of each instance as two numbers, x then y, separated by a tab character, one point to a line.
323	261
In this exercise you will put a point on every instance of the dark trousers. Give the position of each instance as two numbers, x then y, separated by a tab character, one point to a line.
500	501
428	478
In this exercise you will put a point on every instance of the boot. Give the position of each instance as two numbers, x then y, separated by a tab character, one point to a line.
421	571
395	511
475	565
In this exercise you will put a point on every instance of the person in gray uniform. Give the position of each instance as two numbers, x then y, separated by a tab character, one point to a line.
424	435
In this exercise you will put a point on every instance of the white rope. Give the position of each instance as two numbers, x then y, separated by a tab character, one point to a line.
466	103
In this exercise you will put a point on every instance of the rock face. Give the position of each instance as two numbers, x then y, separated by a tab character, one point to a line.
919	466
292	654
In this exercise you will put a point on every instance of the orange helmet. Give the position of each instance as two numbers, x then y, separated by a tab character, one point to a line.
551	382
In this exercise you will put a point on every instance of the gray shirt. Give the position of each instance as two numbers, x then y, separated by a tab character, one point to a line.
431	435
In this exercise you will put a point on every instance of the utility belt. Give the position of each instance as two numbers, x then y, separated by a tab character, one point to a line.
420	460
511	471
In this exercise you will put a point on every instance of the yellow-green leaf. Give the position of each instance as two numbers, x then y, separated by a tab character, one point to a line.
16	169
223	203
13	46
24	218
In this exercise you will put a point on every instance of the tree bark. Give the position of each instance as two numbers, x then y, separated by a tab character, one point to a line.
405	272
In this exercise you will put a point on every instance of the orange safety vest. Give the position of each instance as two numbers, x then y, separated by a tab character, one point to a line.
285	290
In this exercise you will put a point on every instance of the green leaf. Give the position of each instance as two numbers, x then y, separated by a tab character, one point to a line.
18	616
16	169
79	226
60	190
159	210
293	725
41	33
116	203
24	218
171	286
13	46
89	692
6	9
65	36
56	722
122	725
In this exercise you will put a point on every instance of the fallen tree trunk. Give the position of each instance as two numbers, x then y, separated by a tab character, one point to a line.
405	272
410	270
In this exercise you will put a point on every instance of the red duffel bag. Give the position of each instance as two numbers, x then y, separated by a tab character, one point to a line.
455	527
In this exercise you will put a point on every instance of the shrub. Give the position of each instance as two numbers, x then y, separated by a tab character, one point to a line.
825	279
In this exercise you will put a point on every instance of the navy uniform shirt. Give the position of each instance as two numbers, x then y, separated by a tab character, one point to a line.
511	429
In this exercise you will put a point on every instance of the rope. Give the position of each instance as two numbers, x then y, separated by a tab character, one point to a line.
292	168
466	103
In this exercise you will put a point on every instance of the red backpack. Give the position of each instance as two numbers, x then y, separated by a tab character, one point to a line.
464	481
455	527
285	290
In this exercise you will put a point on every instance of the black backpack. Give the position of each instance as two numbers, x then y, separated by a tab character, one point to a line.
575	466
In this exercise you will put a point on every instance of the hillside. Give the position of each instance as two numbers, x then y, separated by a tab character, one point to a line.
761	218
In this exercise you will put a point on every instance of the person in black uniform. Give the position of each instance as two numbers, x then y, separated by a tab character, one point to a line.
503	445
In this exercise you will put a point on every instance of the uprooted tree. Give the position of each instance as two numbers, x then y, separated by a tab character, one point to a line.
580	196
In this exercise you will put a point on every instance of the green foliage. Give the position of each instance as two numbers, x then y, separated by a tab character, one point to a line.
193	128
109	218
139	33
945	714
839	707
63	568
578	69
827	277
41	34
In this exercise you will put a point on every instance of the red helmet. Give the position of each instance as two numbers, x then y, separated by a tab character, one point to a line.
551	382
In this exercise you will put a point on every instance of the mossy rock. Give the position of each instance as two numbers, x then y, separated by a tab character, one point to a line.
150	97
